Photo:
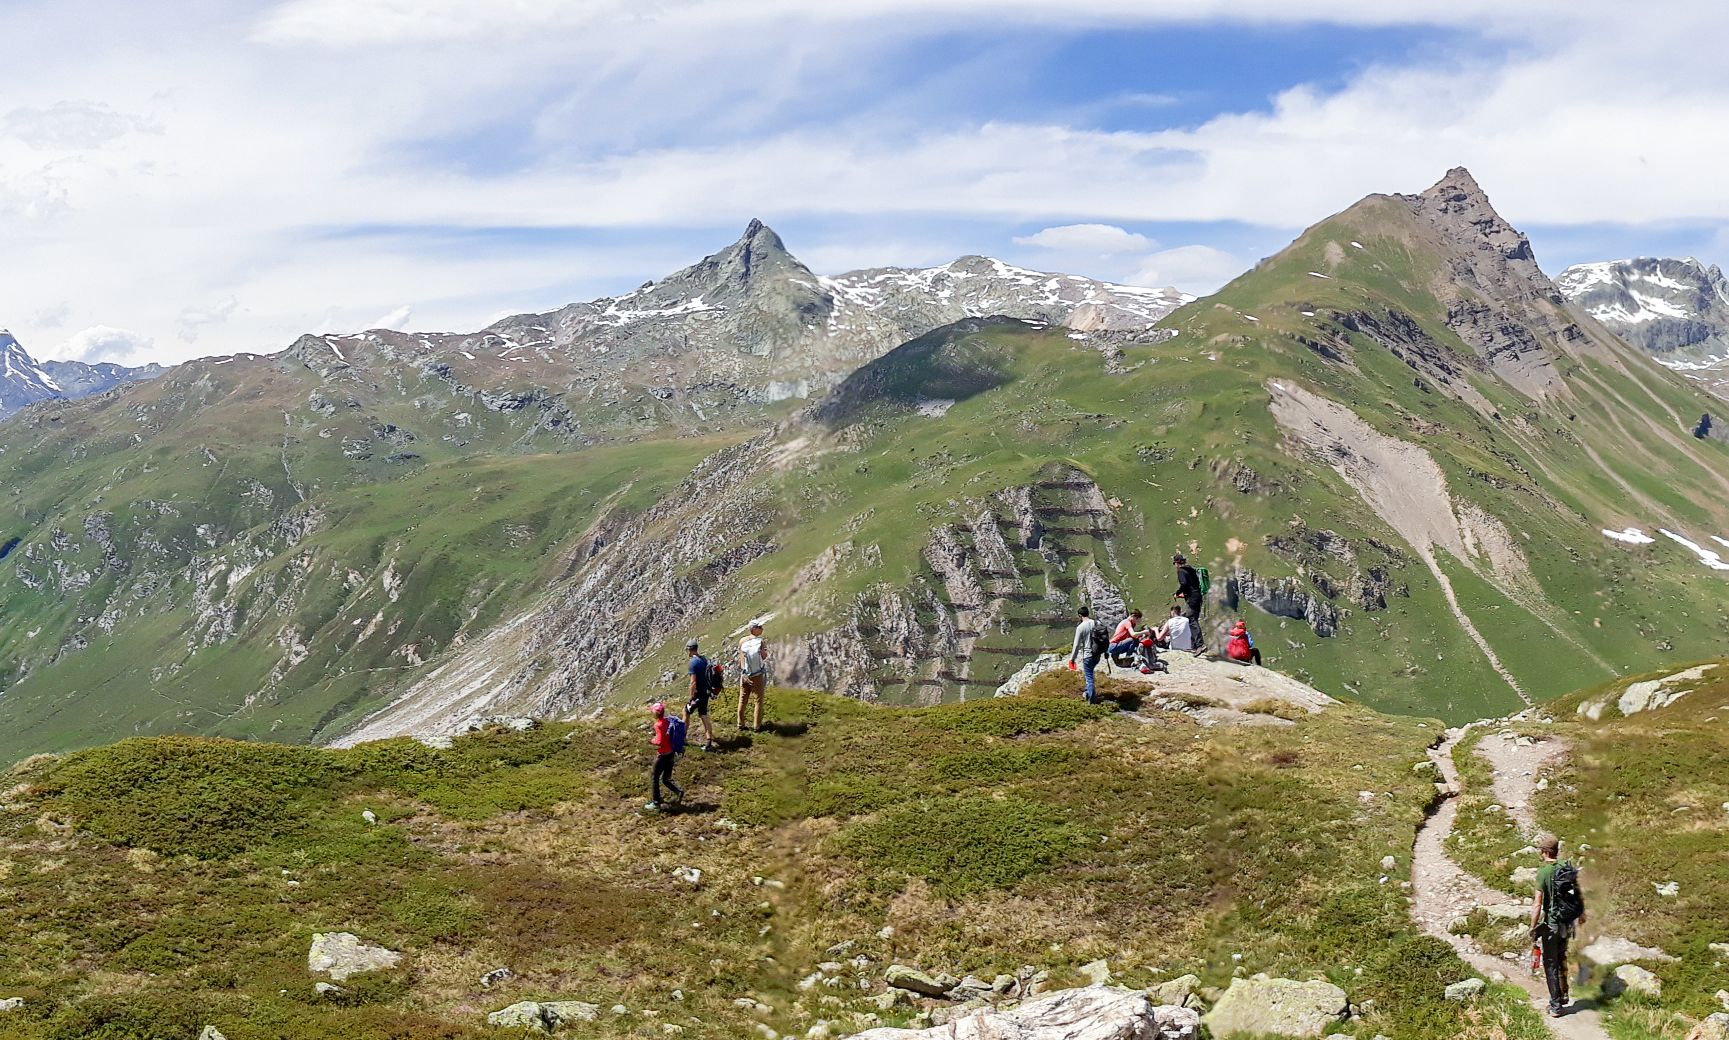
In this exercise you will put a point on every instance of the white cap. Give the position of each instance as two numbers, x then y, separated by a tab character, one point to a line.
755	622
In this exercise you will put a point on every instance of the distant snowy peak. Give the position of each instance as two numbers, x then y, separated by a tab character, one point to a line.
25	381
1669	306
982	286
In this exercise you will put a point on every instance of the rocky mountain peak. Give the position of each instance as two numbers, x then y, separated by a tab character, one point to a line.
1457	204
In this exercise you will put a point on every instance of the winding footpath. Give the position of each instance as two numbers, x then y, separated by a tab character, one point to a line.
1442	891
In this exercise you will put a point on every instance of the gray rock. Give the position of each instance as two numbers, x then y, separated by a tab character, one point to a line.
369	816
971	988
1177	992
1097	972
1087	1013
890	999
1612	950
326	989
1280	1007
1523	876
1720	949
543	1016
211	1033
1465	991
341	954
496	976
1630	978
1667	888
11	1003
902	977
1715	1027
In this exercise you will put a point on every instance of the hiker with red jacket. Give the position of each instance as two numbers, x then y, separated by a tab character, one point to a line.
1241	646
667	741
1190	595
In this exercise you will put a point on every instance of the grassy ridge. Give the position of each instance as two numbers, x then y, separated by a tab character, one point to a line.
159	884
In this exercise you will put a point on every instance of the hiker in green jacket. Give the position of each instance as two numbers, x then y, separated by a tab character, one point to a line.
1558	909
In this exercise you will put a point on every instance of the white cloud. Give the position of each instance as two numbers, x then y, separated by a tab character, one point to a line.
68	125
1197	269
193	319
102	343
574	114
1088	239
396	319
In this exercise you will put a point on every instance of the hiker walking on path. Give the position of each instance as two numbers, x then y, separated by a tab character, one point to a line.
753	670
668	741
1559	907
1088	648
703	684
1192	592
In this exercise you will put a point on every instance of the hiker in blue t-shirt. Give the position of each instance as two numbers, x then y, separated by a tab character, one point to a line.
699	693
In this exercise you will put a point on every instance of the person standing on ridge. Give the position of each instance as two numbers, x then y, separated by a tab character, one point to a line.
1085	650
1555	914
700	689
665	742
753	672
1192	594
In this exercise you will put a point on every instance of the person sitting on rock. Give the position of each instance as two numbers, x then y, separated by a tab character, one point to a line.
1176	633
1241	646
1132	636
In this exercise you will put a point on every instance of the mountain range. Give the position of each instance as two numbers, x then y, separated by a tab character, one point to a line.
1678	309
1428	480
25	381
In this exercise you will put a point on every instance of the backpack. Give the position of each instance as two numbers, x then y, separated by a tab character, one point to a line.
1205	579
715	681
675	733
1099	643
1564	902
1238	649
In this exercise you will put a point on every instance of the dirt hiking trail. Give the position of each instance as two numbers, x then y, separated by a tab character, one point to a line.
1442	890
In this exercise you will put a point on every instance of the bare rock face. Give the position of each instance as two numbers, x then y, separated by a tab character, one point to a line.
1262	1006
1281	597
1090	1013
342	954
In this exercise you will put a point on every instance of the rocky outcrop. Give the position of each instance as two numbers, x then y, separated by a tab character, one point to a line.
549	1016
342	954
1281	597
1091	1013
1262	1006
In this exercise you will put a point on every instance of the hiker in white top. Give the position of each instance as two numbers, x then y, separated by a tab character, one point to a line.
1176	633
753	667
1085	652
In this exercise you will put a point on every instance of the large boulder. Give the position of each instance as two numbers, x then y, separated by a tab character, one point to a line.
543	1016
1277	1007
923	983
1088	1013
1612	950
1715	1027
341	954
1180	991
1465	991
1630	978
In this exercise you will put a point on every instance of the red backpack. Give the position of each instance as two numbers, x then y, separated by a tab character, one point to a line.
1237	649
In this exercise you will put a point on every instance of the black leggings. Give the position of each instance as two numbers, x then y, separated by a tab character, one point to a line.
1255	654
663	764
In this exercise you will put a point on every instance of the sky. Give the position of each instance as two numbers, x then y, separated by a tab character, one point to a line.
213	176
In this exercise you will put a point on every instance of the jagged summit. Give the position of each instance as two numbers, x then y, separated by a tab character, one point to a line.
25	381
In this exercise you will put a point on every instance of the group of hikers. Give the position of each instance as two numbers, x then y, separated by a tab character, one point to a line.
1559	907
707	678
1136	644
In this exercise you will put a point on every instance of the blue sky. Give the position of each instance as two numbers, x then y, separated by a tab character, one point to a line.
220	175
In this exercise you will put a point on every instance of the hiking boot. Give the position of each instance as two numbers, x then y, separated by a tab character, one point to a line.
709	747
651	807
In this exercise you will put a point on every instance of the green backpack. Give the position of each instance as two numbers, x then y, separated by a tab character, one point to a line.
1206	580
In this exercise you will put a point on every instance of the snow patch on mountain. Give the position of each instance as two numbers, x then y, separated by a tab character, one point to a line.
24	381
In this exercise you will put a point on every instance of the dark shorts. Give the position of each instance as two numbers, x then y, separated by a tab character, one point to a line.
699	705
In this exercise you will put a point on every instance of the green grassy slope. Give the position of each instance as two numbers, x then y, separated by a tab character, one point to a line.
209	553
157	885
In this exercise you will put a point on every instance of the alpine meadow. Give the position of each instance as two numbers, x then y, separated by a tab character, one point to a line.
870	645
